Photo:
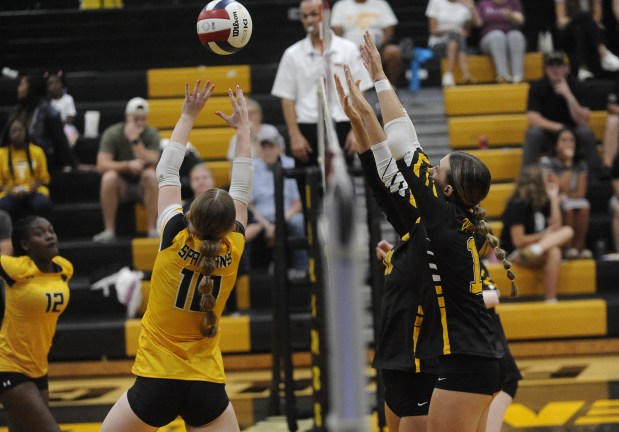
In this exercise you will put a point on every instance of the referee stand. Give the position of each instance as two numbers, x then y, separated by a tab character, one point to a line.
283	288
282	368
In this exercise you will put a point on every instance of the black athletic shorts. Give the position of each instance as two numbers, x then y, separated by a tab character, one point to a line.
10	380
408	394
158	401
470	374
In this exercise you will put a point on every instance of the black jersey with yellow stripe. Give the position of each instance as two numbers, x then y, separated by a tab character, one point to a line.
405	272
465	326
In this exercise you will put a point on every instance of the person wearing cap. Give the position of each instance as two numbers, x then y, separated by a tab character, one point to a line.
128	154
556	102
262	203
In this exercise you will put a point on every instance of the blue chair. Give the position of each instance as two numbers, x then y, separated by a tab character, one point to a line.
420	55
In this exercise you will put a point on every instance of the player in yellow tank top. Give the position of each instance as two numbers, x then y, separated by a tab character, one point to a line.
37	292
178	365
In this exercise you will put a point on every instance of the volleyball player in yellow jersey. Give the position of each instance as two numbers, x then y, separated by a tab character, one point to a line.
179	365
37	292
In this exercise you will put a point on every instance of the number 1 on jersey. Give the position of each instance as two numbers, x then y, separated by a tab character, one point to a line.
184	287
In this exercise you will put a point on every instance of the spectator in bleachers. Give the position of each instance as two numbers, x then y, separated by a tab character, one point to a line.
581	37
296	85
554	103
37	293
449	23
611	131
533	233
569	171
64	104
44	123
502	39
254	110
351	18
128	154
23	174
262	203
200	180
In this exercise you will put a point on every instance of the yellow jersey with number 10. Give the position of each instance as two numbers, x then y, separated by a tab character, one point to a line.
170	344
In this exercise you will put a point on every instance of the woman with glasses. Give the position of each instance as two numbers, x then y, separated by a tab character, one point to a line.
179	365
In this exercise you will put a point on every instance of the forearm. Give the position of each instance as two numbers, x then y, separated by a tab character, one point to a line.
149	157
388	33
579	114
536	119
290	117
597	11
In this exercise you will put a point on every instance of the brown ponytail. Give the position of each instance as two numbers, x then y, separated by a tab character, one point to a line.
211	216
483	228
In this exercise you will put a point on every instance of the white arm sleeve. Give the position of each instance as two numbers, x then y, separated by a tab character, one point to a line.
242	179
170	163
388	170
402	138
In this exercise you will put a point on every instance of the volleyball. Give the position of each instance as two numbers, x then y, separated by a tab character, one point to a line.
224	26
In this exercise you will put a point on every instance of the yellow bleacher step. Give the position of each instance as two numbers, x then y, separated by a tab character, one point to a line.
497	227
500	130
144	251
236	330
211	143
565	319
164	113
221	172
576	277
170	82
503	163
482	68
494	204
486	99
503	129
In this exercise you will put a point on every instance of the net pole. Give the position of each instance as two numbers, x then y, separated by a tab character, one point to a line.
346	348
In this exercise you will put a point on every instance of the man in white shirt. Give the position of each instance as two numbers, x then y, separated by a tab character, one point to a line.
351	18
296	84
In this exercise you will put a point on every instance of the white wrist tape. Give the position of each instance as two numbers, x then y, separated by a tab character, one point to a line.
388	170
170	163
382	85
402	138
242	179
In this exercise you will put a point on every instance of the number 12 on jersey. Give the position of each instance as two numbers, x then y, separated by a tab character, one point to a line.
186	286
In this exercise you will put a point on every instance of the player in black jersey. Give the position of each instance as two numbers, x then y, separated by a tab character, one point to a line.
408	382
456	328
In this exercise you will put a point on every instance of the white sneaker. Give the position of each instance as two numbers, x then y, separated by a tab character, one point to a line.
448	80
104	237
584	74
610	62
517	79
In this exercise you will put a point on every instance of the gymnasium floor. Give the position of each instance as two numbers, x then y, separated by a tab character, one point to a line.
566	394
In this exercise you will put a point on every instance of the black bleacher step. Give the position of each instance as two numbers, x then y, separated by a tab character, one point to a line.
110	112
87	149
88	256
89	338
599	230
85	302
74	186
79	220
262	77
261	292
607	280
599	193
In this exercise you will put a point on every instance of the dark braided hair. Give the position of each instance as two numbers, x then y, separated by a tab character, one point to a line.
21	231
471	179
37	90
212	215
6	139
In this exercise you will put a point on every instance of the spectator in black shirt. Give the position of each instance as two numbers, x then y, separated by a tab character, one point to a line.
555	102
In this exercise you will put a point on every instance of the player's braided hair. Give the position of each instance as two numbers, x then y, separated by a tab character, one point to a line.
471	179
483	228
212	214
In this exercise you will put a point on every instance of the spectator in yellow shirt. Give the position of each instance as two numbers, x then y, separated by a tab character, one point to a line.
23	174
